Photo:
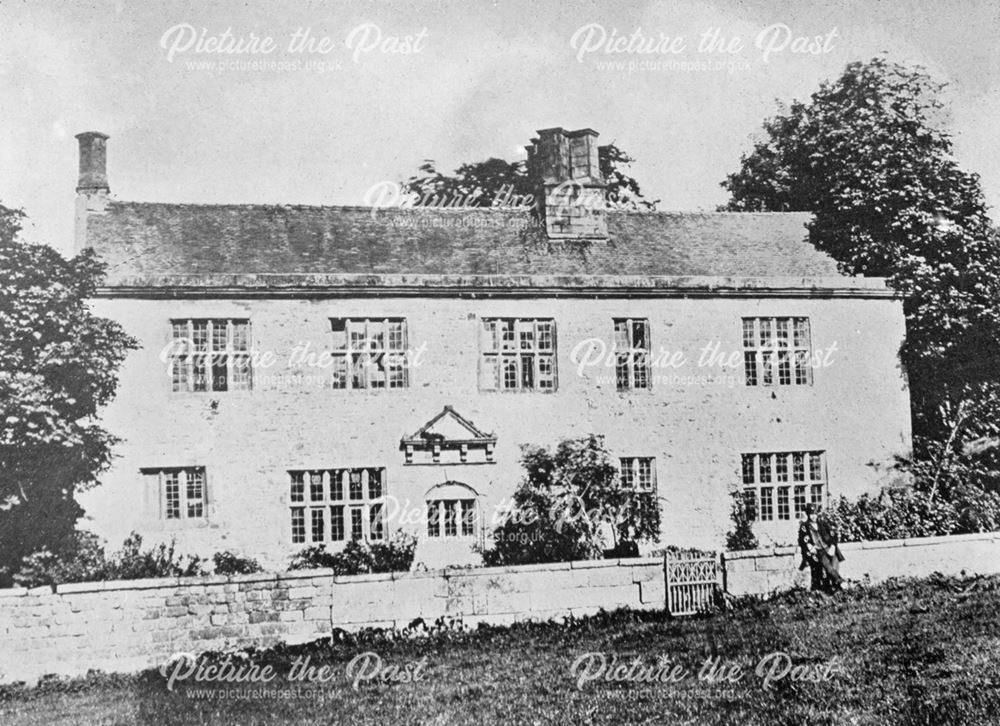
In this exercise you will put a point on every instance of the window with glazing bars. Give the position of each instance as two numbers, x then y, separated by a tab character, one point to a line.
638	473
333	505
777	352
370	353
631	353
451	518
777	486
181	491
210	354
517	354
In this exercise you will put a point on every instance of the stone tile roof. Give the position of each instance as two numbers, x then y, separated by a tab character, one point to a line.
146	240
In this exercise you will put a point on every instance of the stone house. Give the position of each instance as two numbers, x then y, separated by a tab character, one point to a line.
312	374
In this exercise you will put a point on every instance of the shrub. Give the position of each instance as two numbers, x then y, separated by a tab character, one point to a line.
360	558
393	556
314	557
229	563
978	510
131	562
741	537
86	561
892	514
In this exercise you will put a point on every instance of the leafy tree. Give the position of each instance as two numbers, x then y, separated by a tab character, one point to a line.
58	364
477	184
498	182
621	187
870	156
565	498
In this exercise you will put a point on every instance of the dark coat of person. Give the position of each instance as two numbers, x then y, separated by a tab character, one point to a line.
821	553
826	533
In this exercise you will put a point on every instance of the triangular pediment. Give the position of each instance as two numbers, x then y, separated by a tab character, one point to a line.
449	431
450	426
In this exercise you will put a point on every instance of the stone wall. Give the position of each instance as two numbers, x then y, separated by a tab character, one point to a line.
760	572
132	625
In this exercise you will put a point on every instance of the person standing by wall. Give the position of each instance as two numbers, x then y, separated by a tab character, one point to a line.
820	551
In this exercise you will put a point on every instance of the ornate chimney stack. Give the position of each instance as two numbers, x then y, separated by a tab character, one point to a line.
92	185
566	172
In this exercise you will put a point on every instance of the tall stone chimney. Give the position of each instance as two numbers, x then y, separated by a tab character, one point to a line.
92	185
93	162
566	173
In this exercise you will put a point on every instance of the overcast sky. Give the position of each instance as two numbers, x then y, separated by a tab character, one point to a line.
484	77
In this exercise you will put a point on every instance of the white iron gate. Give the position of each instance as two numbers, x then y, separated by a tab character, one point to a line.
692	580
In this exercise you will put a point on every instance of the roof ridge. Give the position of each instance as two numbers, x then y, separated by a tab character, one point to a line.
452	210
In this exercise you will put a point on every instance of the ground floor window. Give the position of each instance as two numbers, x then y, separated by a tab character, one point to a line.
333	505
180	491
638	473
778	485
451	518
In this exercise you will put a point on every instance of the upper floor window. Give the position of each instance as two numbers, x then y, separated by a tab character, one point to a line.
778	486
210	354
631	353
517	354
776	351
179	491
370	353
639	473
333	505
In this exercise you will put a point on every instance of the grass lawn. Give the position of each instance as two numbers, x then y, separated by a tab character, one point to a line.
907	652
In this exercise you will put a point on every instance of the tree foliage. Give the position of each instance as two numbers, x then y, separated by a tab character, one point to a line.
870	156
58	367
495	182
568	496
